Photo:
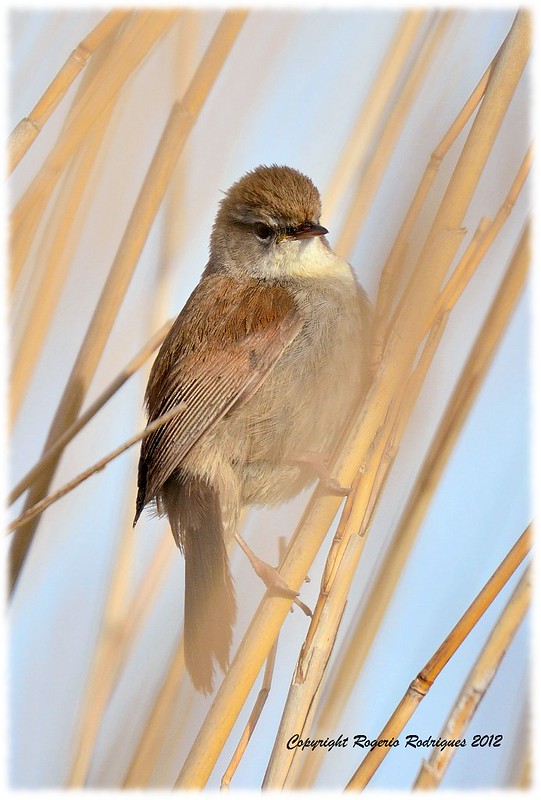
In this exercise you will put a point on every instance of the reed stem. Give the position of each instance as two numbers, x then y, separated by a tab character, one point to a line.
181	120
27	130
445	235
477	683
420	686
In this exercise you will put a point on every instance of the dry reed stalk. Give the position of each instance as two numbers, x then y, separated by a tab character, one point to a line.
118	622
315	653
99	675
420	686
471	259
121	628
518	775
146	753
525	775
504	76
475	687
157	729
36	282
181	120
174	230
137	36
483	238
55	254
27	130
433	264
259	704
56	250
369	119
55	449
396	120
347	670
38	508
338	574
409	397
389	281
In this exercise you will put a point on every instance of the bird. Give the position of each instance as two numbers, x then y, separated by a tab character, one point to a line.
266	362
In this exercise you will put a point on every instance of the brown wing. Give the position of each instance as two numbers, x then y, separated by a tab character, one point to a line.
225	341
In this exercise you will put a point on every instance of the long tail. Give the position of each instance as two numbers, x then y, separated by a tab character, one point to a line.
193	508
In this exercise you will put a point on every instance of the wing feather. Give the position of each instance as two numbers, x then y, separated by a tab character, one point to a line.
209	379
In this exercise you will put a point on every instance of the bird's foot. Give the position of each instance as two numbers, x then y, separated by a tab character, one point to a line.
319	465
271	577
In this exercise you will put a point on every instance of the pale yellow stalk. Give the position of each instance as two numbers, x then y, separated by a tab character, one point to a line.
338	574
130	368
27	130
122	626
149	745
372	112
472	258
181	120
389	281
56	250
434	262
259	704
38	508
350	664
371	179
141	31
420	686
477	683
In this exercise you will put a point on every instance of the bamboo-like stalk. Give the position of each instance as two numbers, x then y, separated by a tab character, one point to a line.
364	129
259	704
433	264
117	618
408	399
113	647
485	235
504	78
55	449
389	281
315	653
469	263
150	744
470	381
475	687
35	282
109	635
185	45
38	508
179	124
141	31
27	130
420	686
56	251
375	170
338	574
518	775
525	775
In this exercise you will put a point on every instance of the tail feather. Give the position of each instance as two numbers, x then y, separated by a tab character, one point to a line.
193	508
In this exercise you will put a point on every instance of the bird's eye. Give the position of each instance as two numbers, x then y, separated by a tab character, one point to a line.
263	232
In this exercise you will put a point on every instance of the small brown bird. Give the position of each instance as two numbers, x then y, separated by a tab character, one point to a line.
269	357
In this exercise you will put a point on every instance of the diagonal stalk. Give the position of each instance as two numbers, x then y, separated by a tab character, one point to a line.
421	685
181	120
434	263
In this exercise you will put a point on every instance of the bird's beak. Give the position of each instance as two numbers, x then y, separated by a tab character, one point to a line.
305	231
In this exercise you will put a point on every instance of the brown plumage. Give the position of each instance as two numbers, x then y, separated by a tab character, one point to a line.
268	356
